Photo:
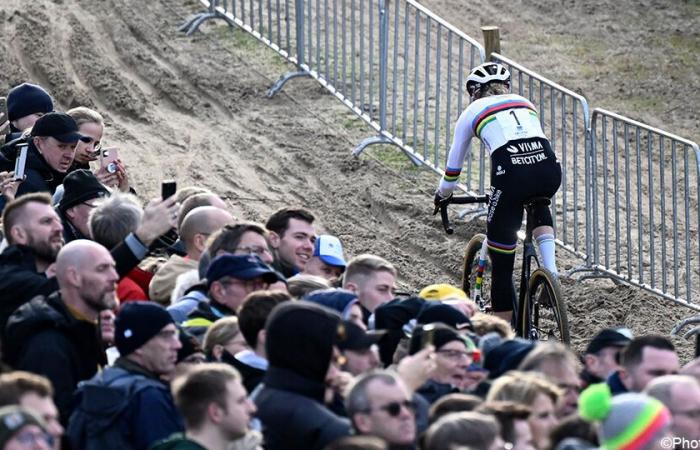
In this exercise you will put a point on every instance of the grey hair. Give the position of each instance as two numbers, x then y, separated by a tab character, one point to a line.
114	218
357	399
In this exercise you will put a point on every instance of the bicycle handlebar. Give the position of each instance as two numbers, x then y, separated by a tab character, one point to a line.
463	200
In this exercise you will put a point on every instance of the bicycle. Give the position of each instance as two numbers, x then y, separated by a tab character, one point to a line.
540	312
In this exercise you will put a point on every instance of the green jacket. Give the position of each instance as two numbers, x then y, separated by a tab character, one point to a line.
177	441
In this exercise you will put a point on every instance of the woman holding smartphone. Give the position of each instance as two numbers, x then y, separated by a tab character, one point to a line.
91	124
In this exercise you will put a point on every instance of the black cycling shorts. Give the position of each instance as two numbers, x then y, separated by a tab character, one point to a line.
520	170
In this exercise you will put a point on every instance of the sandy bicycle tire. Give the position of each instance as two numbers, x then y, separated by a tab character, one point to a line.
543	314
469	266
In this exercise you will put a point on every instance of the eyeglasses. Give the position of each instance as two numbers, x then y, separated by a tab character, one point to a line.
27	438
394	408
254	250
456	355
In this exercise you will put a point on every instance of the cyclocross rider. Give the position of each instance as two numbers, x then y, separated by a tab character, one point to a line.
523	166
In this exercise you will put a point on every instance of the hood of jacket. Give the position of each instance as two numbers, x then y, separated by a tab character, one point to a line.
42	313
163	282
300	339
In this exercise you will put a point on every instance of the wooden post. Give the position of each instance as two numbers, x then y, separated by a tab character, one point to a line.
492	41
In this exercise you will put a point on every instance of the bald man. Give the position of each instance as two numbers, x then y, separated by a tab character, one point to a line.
681	395
196	228
57	335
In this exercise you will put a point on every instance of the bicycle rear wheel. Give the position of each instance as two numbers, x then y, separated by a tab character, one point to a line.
543	316
469	271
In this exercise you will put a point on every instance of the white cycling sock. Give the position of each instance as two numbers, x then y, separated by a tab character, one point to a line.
545	242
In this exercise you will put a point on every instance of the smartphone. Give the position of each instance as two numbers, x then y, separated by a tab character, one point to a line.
21	161
168	189
108	159
428	332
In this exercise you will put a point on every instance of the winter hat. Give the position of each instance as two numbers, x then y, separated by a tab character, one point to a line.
442	292
80	186
628	421
442	334
438	312
337	299
27	99
12	419
137	323
506	356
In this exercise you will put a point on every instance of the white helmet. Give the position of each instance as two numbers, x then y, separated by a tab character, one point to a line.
486	73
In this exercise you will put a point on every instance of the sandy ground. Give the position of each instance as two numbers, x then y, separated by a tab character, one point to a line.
194	109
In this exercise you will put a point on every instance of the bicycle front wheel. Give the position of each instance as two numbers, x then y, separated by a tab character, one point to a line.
543	315
469	272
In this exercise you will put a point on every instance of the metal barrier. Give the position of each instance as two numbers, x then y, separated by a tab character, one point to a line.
400	68
645	190
565	119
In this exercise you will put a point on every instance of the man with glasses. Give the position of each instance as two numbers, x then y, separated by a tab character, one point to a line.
681	395
21	429
148	341
81	191
559	364
230	279
379	404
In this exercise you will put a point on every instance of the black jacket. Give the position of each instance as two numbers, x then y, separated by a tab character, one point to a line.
40	176
299	345
43	337
19	281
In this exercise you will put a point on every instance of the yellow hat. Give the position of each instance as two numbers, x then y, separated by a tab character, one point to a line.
442	292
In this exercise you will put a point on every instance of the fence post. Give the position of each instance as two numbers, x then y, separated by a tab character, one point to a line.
383	63
301	44
492	40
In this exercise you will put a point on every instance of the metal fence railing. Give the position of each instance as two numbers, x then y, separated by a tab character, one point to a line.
628	204
645	192
565	120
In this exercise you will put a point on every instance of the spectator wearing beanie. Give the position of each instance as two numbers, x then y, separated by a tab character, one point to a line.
453	355
17	425
301	347
26	103
81	192
148	342
629	421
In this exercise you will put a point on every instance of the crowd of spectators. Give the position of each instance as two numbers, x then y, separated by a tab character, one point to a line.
171	324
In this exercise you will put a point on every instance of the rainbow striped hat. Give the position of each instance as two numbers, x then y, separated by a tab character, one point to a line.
627	421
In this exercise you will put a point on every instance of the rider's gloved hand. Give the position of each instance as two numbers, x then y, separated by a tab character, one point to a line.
439	200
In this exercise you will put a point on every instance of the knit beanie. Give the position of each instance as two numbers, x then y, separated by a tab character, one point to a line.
12	419
441	335
137	323
80	186
627	421
27	99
